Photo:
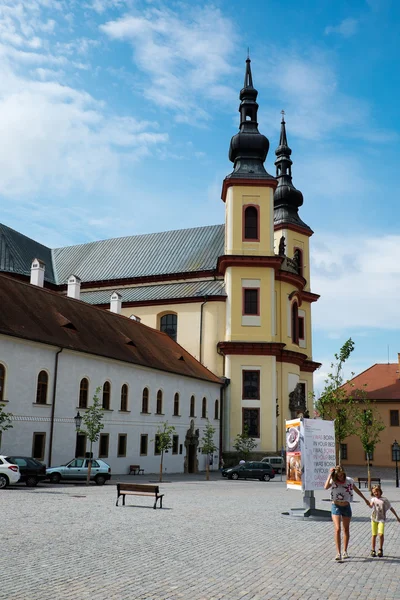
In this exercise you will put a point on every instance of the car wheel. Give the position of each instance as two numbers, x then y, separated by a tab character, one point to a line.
31	481
266	477
235	476
3	481
100	479
55	478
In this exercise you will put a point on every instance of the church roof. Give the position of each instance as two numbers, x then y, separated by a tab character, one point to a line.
168	291
41	315
154	254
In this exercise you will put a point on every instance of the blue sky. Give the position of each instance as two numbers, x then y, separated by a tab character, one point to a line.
116	117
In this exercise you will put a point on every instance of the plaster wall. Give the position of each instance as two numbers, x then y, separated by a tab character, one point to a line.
24	360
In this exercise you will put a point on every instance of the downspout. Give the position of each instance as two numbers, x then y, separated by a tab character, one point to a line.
53	406
221	413
201	329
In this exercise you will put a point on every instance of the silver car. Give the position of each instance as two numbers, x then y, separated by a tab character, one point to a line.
77	469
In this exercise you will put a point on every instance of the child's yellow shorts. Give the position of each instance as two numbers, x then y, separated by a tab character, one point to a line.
377	528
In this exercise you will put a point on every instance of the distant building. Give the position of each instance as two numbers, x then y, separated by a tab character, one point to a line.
381	383
55	351
236	296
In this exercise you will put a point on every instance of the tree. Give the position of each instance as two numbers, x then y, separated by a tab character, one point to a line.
5	420
163	442
244	444
369	427
335	403
92	420
208	445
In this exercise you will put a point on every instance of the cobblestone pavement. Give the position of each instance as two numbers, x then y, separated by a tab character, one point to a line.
217	540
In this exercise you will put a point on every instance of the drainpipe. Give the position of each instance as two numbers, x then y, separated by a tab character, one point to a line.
221	413
53	406
201	329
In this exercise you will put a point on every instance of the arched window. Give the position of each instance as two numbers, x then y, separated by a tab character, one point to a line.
176	405
169	325
2	382
216	409
192	406
83	393
145	400
41	390
298	257
124	398
251	230
204	408
106	395
295	323
159	407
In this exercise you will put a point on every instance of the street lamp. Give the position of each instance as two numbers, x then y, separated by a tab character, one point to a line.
396	458
78	421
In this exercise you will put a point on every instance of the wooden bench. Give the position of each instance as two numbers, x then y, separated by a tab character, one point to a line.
138	489
364	480
135	470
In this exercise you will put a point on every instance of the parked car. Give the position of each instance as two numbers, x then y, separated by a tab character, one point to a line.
32	471
251	470
77	469
276	462
9	473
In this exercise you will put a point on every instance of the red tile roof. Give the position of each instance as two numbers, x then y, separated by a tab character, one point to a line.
381	382
37	314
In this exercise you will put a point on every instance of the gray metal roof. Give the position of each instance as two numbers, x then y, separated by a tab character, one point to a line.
167	291
17	252
168	252
181	251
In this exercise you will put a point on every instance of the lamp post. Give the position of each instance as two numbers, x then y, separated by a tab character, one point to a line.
78	421
396	458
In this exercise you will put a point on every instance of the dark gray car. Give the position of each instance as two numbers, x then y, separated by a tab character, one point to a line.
251	470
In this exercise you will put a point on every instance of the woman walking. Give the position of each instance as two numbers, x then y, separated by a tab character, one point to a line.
342	488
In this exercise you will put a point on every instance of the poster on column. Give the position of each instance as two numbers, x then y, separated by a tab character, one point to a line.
294	467
318	452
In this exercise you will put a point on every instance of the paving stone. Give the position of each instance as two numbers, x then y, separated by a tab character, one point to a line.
217	540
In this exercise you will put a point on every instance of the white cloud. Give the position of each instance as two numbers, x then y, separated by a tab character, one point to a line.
358	278
346	28
184	58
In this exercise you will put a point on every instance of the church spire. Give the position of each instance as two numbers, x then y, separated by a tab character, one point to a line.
287	199
249	148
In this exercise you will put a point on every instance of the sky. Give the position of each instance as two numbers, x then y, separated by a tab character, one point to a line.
116	118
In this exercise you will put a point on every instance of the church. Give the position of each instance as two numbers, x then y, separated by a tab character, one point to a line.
236	296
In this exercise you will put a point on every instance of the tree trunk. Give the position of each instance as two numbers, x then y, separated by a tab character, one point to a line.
368	473
161	466
90	465
208	468
339	455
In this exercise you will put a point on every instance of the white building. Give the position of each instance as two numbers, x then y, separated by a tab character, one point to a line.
55	351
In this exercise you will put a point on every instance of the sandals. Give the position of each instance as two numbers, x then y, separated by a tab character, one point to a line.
373	553
380	553
338	557
345	555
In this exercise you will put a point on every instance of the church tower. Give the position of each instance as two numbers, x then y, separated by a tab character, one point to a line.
266	270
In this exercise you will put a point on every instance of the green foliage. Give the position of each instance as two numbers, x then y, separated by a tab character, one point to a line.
163	441
244	444
207	441
5	419
369	427
92	419
335	402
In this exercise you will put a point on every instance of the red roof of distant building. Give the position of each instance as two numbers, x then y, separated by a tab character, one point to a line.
40	315
380	382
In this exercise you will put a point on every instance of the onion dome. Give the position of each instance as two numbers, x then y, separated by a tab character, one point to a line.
287	199
249	148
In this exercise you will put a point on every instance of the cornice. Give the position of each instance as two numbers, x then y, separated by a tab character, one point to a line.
276	349
297	280
160	301
310	366
309	296
235	260
244	181
292	227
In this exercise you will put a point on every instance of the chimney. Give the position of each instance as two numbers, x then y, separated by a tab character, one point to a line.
74	287
116	303
37	272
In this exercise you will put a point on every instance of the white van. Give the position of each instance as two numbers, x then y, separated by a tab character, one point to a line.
276	462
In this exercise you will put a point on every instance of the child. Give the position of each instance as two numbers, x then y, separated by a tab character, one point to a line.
380	506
